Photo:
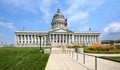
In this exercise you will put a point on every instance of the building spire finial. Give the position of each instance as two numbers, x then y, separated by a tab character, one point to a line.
58	10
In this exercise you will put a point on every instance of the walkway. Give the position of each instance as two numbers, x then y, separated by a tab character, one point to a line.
61	61
102	64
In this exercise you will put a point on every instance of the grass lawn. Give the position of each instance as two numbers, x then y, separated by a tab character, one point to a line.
20	58
116	59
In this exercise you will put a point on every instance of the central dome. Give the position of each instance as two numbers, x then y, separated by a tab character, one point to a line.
58	20
58	16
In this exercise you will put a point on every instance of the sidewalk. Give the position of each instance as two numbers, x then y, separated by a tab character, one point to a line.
102	64
62	62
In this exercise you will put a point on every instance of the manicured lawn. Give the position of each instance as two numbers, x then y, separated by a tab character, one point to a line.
116	59
12	58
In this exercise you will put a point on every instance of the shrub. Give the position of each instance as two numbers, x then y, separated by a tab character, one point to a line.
76	46
69	46
99	47
73	46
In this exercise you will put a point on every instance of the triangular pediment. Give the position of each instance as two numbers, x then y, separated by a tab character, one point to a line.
60	31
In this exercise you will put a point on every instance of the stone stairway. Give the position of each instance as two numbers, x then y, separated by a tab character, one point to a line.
56	50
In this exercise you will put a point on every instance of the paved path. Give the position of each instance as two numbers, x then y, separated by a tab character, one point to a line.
102	64
61	61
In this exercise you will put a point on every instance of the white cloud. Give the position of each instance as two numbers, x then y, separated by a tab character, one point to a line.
84	28
112	31
8	25
27	5
112	28
74	10
44	8
79	10
35	7
78	17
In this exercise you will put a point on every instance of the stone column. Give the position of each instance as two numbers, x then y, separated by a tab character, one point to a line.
42	40
76	38
25	40
56	38
95	39
83	39
80	39
72	38
53	38
65	38
31	39
62	38
59	37
16	40
35	39
69	38
45	40
87	39
92	38
21	40
50	37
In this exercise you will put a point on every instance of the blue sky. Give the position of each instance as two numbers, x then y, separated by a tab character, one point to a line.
99	15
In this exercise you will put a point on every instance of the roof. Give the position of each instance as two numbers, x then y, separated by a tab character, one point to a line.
58	15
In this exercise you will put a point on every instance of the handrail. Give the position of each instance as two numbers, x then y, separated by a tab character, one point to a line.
83	56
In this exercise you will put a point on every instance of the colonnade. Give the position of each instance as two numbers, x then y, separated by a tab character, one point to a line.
46	39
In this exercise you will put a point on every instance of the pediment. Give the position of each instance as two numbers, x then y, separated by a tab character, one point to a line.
60	31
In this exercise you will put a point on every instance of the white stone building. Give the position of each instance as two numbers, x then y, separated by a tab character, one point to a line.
58	35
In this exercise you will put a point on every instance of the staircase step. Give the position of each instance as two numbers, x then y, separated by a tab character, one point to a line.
56	50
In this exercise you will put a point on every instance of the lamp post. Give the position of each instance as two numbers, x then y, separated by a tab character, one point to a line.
50	46
40	42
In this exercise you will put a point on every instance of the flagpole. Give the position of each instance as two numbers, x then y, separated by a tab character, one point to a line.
65	23
67	36
67	30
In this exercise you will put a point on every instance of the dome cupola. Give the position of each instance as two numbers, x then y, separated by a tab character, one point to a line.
58	20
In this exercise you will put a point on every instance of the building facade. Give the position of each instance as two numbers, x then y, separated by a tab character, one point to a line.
58	35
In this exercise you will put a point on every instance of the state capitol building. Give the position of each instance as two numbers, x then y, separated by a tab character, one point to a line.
58	35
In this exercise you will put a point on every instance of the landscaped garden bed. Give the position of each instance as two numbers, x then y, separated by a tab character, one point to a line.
97	48
101	49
